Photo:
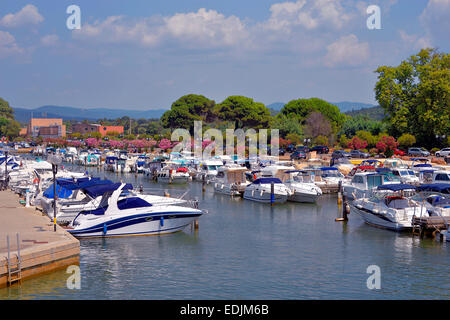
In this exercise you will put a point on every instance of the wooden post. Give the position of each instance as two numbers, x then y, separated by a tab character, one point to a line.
203	182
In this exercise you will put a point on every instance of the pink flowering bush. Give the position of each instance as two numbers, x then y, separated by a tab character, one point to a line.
165	144
387	144
357	144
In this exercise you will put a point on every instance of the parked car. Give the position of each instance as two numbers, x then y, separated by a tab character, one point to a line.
297	155
341	154
359	154
443	153
305	149
320	149
290	148
418	152
281	151
398	152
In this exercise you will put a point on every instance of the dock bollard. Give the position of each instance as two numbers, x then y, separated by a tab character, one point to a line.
27	197
272	193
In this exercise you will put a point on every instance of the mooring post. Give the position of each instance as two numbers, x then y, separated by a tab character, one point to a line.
203	182
272	193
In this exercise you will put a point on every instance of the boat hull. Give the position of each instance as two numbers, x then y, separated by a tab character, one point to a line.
137	225
380	221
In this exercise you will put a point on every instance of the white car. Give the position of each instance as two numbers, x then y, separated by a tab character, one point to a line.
443	153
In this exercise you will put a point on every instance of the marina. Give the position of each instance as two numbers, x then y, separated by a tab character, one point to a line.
229	240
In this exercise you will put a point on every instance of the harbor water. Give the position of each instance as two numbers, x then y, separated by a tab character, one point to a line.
249	250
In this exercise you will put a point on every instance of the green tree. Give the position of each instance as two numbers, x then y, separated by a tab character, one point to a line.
5	110
188	109
244	112
415	95
406	140
302	108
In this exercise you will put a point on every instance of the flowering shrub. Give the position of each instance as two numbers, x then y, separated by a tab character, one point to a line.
92	142
387	144
357	143
164	144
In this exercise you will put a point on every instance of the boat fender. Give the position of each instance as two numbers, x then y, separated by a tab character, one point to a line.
162	221
105	228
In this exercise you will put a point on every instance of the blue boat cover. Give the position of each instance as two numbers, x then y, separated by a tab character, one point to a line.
328	168
435	187
98	190
396	187
127	203
423	165
61	192
267	181
383	170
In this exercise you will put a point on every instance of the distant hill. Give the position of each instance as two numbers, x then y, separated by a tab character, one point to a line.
343	106
346	106
72	113
374	113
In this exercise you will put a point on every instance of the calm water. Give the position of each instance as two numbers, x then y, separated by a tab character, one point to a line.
247	250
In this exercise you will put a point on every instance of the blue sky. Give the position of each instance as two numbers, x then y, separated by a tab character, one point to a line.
142	54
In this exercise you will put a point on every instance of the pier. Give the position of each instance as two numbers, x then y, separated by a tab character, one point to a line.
430	225
27	237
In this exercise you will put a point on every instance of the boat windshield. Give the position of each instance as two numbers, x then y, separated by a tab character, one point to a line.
211	167
332	174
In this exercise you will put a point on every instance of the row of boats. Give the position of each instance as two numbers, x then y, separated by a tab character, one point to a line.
384	193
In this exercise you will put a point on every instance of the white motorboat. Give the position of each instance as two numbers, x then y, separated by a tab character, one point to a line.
301	186
208	169
231	180
406	176
172	174
267	190
130	216
389	208
436	198
363	183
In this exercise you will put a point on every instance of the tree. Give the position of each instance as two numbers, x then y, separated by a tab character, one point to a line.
244	112
387	144
302	108
406	140
287	125
188	109
317	125
416	95
5	110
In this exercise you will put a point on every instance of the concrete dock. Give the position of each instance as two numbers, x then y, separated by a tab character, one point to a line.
42	250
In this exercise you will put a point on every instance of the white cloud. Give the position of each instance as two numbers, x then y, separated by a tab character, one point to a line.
204	28
309	14
27	15
8	45
435	19
50	40
415	41
347	51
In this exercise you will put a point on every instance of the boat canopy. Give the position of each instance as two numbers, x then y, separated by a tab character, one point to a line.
296	171
423	165
383	170
396	187
82	183
328	168
98	190
435	187
267	181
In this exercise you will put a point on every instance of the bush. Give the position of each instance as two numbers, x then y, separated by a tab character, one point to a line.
433	151
321	140
406	140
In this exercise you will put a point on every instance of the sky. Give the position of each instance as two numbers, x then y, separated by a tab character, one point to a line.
143	54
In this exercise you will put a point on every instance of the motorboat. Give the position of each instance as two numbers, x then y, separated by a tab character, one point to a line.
231	180
130	215
395	163
436	197
267	190
171	174
405	175
208	169
301	186
363	183
299	183
441	176
390	208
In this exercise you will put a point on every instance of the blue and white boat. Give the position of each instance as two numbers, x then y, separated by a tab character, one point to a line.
260	190
389	208
119	215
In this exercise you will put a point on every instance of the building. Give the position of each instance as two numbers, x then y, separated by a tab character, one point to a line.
86	128
46	128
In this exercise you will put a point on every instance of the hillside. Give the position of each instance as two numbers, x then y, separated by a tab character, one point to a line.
374	113
72	113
